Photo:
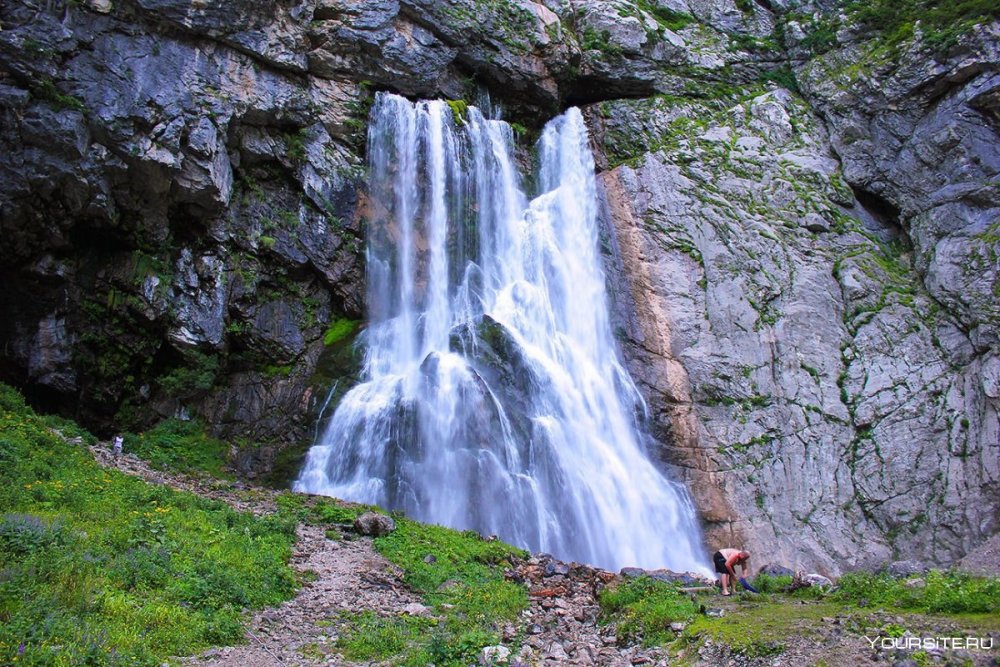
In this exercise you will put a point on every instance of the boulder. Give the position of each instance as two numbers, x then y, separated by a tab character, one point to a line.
904	569
494	655
374	524
774	570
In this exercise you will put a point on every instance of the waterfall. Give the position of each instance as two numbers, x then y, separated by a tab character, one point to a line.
493	396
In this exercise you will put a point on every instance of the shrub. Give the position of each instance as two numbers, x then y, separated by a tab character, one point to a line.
951	592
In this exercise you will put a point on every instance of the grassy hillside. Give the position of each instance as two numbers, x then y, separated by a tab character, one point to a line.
99	568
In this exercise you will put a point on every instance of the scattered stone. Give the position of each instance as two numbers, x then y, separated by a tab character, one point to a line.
678	626
449	585
416	609
374	524
556	568
715	612
430	558
494	655
555	651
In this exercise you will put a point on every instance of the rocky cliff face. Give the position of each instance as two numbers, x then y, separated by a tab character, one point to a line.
806	280
814	286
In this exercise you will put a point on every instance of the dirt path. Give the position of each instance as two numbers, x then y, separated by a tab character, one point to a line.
341	575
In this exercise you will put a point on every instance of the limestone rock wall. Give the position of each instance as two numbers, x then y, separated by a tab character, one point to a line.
810	293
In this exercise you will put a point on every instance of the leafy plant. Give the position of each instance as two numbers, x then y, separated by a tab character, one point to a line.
950	592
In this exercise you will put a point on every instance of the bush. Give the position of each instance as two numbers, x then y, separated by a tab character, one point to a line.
768	584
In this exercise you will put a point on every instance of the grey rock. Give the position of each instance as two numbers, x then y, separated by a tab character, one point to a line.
374	524
817	580
494	655
793	388
773	570
903	569
416	609
556	568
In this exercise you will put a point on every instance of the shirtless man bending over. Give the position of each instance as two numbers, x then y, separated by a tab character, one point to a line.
725	561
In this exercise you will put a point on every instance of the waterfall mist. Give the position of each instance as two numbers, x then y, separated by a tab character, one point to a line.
493	397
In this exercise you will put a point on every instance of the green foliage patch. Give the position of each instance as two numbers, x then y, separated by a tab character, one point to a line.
183	446
950	592
339	330
368	636
644	608
460	575
665	17
100	568
941	22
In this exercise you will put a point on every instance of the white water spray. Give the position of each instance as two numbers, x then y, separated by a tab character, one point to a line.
493	396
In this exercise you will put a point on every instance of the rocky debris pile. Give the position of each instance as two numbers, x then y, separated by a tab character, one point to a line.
984	559
562	624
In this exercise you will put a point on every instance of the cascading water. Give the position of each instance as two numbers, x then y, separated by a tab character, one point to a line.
493	397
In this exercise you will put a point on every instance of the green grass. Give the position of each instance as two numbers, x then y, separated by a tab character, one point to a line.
941	21
948	592
644	608
760	630
182	446
463	583
367	636
100	568
320	511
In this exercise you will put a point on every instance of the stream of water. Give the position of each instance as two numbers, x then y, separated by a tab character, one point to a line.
493	396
